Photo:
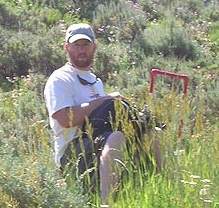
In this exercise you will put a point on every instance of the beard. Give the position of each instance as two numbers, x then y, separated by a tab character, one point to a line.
81	61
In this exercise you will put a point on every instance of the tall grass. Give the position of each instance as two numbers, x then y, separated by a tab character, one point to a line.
28	176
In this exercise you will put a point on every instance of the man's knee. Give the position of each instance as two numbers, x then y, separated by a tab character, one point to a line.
116	140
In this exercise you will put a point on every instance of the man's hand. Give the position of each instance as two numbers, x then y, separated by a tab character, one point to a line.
116	95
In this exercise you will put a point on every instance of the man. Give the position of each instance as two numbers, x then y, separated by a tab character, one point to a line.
72	93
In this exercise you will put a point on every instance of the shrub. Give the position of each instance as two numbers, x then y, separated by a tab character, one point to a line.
52	16
8	16
28	174
14	56
123	27
107	63
167	40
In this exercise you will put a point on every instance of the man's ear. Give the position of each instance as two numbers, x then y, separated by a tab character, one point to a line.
66	46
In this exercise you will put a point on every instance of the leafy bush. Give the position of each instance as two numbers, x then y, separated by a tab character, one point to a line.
31	183
124	27
21	55
30	45
8	16
52	16
168	40
28	174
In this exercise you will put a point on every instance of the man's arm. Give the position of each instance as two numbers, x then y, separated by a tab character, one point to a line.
75	115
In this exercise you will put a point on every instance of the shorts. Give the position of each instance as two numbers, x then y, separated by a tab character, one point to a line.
84	153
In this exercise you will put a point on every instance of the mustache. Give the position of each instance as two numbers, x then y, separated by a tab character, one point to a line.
82	55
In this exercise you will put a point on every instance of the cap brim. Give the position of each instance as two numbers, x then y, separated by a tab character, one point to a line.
79	37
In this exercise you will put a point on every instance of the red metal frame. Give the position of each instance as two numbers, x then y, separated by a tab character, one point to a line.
155	72
185	78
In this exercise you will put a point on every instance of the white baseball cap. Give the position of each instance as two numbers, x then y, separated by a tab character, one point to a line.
79	31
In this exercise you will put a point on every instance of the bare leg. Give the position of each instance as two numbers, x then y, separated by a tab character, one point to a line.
160	149
110	168
156	151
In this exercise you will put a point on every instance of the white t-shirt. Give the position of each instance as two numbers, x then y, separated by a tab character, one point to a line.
63	89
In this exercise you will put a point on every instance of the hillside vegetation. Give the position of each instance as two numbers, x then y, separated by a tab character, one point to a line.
133	37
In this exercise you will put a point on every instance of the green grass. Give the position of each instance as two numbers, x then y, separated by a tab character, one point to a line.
28	176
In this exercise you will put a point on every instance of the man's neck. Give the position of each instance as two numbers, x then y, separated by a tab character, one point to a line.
82	69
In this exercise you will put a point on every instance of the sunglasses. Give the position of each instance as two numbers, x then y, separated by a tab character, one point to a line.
85	82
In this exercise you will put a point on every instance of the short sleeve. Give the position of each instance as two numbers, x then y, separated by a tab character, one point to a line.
57	95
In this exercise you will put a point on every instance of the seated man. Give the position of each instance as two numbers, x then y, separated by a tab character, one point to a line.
71	94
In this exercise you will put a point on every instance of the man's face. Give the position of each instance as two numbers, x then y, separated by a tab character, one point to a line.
81	53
